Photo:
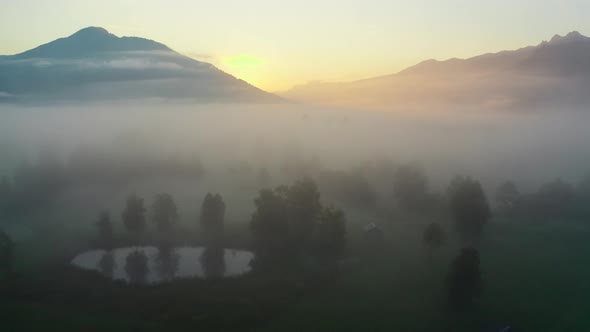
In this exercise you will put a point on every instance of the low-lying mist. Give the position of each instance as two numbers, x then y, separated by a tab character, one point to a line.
528	147
360	202
106	151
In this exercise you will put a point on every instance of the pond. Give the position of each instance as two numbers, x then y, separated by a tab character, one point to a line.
154	265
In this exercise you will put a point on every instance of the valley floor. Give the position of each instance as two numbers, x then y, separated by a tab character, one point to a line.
536	279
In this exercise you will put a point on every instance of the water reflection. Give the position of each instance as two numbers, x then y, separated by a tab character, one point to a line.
106	265
137	267
154	265
167	263
213	262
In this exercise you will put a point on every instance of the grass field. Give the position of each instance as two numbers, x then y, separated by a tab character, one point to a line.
536	276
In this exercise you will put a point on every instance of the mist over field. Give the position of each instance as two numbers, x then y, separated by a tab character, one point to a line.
102	152
531	146
433	175
387	172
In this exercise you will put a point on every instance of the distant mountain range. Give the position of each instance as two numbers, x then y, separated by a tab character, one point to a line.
555	73
93	64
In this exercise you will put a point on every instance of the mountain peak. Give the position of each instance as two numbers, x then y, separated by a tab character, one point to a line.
92	41
573	36
96	64
92	31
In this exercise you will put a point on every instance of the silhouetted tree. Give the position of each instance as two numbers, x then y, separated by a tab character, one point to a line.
105	230
469	207
330	241
212	219
433	237
6	252
285	221
213	262
464	280
165	213
134	216
167	262
303	210
410	188
137	267
270	226
106	265
507	195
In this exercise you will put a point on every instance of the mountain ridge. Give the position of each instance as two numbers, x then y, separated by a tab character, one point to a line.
552	72
93	63
92	39
573	36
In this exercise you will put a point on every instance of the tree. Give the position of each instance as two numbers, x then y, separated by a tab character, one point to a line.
287	220
213	262
464	280
303	209
164	212
469	207
137	267
6	252
270	227
134	215
105	230
285	217
507	195
212	219
107	264
167	262
410	188
433	237
331	234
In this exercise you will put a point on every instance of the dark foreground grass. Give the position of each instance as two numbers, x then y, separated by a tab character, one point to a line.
536	275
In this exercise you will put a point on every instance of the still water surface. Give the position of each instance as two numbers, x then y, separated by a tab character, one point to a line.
152	265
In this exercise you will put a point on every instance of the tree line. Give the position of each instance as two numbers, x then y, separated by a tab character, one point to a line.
164	215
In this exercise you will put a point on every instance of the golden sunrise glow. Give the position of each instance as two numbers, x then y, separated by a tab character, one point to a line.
246	67
278	44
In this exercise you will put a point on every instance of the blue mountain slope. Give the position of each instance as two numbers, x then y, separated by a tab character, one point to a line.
95	64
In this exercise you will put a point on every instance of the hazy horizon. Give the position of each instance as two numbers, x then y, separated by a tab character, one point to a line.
348	41
424	166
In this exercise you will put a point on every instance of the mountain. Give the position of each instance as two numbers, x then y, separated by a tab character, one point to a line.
95	64
554	73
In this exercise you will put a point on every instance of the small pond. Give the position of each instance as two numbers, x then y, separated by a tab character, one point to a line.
153	265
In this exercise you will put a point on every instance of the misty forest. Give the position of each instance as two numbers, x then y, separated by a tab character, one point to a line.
130	203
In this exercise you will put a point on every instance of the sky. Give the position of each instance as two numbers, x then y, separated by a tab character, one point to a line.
278	44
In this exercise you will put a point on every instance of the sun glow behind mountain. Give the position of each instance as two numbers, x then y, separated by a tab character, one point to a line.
302	41
246	67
